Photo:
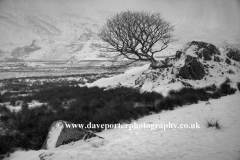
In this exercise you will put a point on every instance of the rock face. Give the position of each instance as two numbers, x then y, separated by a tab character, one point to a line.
193	53
233	53
195	61
167	62
193	69
151	75
62	132
203	50
228	61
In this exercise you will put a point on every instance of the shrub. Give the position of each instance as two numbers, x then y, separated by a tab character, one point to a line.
190	98
96	105
230	71
4	109
8	143
13	102
150	97
191	95
1	98
216	95
227	81
167	103
226	89
213	123
84	105
210	88
223	90
238	86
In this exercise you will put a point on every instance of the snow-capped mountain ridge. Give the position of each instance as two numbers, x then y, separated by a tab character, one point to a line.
60	33
65	29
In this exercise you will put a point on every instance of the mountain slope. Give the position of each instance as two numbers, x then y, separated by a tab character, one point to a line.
67	29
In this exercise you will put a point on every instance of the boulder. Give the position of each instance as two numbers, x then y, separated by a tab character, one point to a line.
233	53
148	75
192	69
228	61
62	132
203	50
217	58
167	62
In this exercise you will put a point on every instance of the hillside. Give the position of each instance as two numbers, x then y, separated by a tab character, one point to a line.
157	143
199	64
53	30
214	121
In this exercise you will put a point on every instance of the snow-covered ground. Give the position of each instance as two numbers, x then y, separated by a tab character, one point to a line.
126	78
217	74
68	29
183	144
54	134
17	108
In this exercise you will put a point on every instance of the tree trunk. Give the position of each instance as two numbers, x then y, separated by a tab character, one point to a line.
154	64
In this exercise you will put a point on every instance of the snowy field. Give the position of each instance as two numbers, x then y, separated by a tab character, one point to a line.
200	143
58	39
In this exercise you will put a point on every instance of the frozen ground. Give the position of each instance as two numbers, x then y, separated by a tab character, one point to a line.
197	144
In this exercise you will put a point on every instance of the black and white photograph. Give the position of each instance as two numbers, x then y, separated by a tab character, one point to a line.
119	79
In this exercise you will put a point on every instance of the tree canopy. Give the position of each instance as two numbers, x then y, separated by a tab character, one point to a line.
137	35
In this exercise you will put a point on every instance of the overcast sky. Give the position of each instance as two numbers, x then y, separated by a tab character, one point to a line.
186	15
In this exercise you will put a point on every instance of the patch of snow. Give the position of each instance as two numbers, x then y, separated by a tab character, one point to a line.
128	78
157	143
191	50
31	105
54	134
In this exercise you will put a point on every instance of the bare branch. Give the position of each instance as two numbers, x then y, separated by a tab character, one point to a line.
134	34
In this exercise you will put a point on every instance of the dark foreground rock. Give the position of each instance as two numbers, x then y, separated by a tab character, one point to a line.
203	50
195	61
233	53
192	69
62	132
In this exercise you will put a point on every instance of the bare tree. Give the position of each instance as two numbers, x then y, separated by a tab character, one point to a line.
137	36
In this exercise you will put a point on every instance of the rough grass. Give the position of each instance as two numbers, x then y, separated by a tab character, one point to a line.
29	127
213	123
76	105
238	86
188	95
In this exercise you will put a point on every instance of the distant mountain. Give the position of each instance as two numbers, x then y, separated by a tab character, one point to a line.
66	29
57	32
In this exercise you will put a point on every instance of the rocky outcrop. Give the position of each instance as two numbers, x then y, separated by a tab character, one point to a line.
167	62
228	61
232	53
150	75
203	50
196	61
191	54
193	69
62	132
217	58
